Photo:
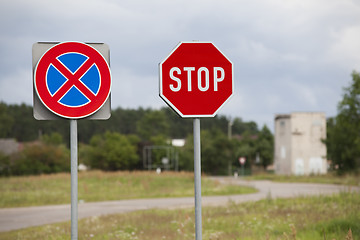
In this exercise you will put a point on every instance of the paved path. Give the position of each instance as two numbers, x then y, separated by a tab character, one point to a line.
17	218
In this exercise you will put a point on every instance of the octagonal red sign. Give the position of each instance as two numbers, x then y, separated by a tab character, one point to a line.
196	79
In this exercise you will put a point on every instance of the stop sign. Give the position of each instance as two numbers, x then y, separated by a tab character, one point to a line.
196	79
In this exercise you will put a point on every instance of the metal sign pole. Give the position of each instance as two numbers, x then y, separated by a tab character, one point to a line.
74	179
197	179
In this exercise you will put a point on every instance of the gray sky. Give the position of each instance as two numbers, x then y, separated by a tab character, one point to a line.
288	55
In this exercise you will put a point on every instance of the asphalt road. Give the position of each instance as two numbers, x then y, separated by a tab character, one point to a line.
17	218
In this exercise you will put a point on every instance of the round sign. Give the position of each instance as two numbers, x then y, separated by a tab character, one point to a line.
196	79
72	80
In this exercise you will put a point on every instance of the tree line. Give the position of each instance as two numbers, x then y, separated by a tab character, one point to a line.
118	143
17	121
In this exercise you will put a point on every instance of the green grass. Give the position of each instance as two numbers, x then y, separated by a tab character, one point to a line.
96	186
307	218
330	178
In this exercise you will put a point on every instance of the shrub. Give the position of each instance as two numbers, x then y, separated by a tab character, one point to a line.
40	158
113	151
4	165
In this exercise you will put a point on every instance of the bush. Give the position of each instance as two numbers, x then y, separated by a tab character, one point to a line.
4	165
40	158
113	151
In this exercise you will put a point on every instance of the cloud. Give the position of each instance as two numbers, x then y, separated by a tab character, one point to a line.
13	88
346	47
287	55
129	92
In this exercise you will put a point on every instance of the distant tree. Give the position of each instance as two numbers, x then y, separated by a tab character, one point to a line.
25	127
113	151
239	127
54	138
17	121
6	121
152	124
246	147
343	138
265	146
216	150
123	121
218	122
186	154
40	158
158	148
178	127
5	167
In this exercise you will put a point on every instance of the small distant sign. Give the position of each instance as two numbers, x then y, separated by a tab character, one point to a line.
242	160
165	160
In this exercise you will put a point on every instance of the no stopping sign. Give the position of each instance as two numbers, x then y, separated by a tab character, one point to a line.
72	80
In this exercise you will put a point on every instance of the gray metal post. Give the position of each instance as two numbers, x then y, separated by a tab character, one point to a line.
197	179
74	179
176	161
229	137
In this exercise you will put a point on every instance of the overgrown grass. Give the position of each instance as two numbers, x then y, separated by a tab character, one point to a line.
96	186
330	178
323	217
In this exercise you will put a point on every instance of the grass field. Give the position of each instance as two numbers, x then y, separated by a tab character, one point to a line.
311	218
96	186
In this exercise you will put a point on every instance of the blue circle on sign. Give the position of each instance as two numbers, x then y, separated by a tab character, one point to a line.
74	97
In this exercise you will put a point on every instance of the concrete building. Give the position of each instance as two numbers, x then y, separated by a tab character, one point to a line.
298	143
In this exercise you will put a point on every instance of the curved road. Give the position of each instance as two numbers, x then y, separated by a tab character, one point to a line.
17	218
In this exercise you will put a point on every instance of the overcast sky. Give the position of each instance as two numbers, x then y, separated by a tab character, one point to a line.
288	55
